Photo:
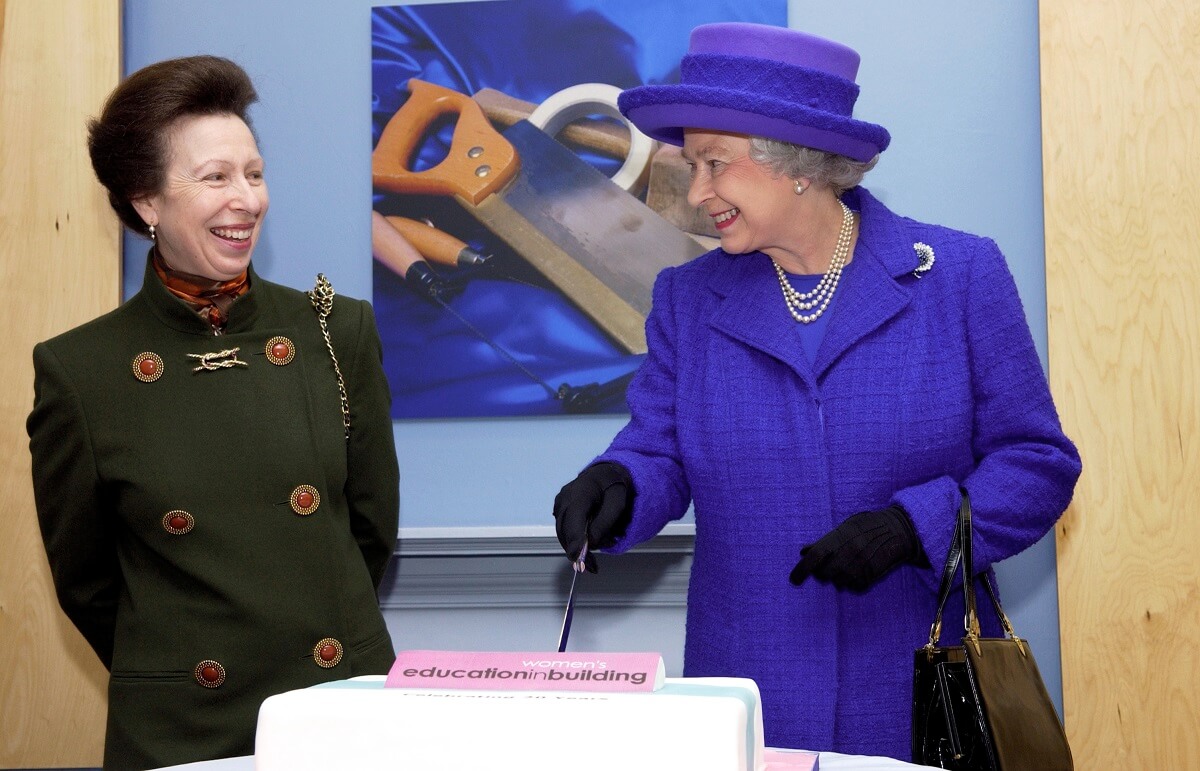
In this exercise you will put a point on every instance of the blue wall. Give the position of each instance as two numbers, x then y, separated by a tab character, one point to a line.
955	83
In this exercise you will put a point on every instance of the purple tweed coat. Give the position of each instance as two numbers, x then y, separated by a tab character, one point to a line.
920	384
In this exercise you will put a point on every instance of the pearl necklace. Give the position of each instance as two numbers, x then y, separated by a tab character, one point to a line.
820	295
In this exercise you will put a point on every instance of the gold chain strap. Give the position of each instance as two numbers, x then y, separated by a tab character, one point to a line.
322	301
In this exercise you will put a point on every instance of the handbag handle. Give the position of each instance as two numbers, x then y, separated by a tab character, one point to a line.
960	549
951	567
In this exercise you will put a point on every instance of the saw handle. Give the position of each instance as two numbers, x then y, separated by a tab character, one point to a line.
480	160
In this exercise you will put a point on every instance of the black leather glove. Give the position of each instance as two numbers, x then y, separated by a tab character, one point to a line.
861	550
594	508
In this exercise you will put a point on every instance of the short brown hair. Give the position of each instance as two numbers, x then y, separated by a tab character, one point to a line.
128	142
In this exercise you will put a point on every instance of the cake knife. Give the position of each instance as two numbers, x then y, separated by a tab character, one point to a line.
578	566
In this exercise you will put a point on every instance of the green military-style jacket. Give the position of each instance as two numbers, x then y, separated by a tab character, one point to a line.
213	533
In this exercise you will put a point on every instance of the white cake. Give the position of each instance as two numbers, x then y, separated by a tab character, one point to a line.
698	724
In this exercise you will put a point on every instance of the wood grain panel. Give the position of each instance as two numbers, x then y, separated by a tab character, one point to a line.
60	257
1121	154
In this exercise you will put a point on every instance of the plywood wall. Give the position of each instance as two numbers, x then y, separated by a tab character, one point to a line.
1121	133
60	262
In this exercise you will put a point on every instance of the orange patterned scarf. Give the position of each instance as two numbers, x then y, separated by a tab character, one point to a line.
211	299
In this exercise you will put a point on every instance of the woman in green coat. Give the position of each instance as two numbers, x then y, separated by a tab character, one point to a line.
213	461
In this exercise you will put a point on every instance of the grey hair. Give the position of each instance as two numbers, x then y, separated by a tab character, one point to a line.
796	161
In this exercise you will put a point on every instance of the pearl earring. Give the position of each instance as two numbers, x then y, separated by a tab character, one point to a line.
153	235
800	188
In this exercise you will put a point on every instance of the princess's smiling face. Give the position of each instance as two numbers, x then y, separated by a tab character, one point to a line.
209	213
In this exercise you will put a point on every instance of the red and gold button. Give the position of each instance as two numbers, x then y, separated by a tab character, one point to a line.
327	653
209	673
147	366
305	500
178	522
280	351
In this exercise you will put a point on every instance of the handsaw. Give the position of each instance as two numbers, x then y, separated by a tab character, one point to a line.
600	246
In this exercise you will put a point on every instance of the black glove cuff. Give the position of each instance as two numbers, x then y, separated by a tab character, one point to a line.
607	473
903	524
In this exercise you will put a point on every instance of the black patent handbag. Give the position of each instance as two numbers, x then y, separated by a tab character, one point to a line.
982	705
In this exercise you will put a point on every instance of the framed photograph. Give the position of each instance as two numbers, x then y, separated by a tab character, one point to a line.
518	221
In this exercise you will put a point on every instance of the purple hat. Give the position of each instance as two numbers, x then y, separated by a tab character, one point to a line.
764	81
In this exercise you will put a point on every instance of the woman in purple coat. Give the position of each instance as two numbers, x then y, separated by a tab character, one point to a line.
819	387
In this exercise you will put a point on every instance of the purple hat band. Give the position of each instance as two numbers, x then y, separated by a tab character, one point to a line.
774	98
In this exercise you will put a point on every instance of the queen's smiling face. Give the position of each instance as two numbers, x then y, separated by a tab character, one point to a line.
208	215
752	208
